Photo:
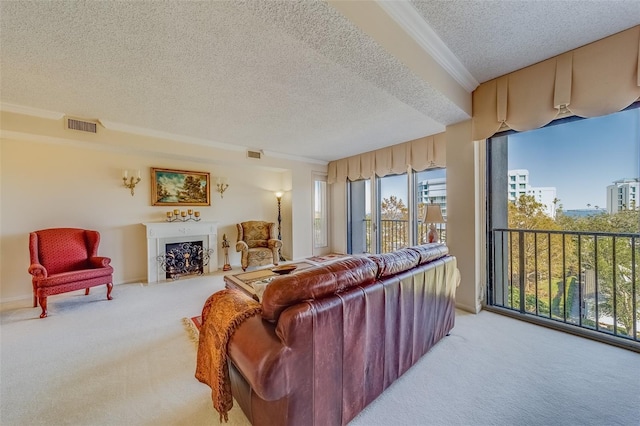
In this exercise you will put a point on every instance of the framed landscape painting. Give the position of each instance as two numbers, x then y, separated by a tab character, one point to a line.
179	188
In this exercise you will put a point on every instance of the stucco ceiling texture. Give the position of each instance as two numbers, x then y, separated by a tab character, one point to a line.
291	78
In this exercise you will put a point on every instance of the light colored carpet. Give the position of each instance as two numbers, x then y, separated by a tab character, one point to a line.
129	361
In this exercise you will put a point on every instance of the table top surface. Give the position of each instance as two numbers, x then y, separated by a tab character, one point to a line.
244	280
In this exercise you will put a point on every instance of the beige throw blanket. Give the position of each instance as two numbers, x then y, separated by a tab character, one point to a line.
222	314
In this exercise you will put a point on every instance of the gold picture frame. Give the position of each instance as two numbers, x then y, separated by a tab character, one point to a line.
171	187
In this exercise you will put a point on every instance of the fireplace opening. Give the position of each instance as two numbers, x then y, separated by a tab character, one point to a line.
186	258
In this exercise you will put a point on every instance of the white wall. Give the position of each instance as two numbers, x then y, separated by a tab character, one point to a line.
50	178
465	203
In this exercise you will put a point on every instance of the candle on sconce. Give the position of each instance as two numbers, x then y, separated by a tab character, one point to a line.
183	214
138	174
197	214
190	212
169	214
125	174
176	212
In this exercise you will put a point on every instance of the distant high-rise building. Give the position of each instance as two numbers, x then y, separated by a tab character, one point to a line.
434	191
623	195
518	182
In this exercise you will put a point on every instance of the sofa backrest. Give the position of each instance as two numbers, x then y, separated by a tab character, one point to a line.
430	251
315	283
395	262
339	276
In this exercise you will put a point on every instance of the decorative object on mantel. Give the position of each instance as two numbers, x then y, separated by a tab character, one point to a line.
184	259
433	215
221	185
182	216
132	181
279	195
179	188
225	248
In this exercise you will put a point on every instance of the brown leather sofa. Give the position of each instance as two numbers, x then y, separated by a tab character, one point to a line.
333	338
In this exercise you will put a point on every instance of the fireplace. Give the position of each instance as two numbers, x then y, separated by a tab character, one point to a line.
196	240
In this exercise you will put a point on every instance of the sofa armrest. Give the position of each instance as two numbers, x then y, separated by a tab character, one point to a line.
273	243
37	270
99	261
241	246
261	357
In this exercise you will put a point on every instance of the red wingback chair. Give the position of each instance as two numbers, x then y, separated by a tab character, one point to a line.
66	259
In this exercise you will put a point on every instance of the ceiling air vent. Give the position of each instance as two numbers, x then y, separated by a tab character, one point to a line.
254	154
81	125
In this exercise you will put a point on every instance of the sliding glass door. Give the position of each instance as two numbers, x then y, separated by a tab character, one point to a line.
387	213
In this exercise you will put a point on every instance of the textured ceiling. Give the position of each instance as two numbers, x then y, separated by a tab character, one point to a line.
495	37
291	78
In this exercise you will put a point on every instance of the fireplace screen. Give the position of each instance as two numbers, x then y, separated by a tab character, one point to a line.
184	259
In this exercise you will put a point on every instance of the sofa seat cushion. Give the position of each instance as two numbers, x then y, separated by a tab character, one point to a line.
430	251
315	283
395	262
73	276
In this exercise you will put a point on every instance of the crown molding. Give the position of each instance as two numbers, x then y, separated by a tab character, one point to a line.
274	154
35	112
414	24
143	131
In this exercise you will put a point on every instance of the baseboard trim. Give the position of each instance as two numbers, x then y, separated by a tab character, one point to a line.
467	308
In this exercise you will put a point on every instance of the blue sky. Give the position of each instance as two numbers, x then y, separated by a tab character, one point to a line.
580	159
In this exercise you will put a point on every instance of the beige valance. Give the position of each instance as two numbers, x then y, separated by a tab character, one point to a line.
597	79
421	154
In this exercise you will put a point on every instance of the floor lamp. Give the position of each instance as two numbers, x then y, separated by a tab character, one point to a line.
433	215
279	195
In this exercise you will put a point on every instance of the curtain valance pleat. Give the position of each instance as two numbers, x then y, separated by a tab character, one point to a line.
419	154
597	79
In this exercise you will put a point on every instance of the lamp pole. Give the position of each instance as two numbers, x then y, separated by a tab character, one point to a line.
279	219
279	198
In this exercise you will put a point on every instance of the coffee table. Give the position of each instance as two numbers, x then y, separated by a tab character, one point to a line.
261	277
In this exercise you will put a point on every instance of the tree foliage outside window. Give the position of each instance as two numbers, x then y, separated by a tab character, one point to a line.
555	264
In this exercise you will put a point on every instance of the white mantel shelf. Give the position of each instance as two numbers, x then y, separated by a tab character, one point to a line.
161	233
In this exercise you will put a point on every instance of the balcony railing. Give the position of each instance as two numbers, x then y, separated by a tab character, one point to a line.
587	280
394	234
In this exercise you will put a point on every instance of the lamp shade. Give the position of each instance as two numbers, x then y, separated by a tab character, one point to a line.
433	214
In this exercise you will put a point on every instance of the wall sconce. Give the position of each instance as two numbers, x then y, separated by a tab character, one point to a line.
221	185
132	182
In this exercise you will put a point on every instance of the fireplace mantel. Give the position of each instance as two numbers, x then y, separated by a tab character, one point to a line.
161	233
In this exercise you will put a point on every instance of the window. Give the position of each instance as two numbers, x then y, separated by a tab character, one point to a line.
387	213
566	251
320	212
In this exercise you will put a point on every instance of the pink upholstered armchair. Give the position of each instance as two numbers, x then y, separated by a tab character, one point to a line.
257	244
66	259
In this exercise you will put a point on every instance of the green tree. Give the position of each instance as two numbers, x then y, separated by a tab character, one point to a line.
528	214
393	208
614	280
394	217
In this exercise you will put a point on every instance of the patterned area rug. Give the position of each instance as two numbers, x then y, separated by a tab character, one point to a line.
327	257
193	325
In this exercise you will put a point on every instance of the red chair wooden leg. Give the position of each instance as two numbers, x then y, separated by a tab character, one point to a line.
35	300
86	291
43	305
109	288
